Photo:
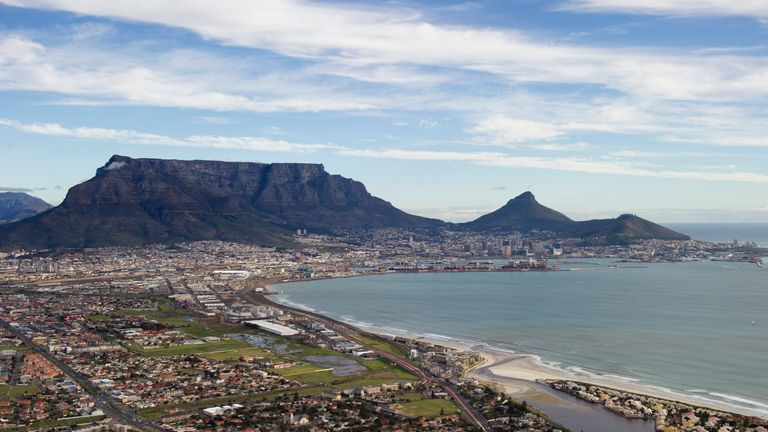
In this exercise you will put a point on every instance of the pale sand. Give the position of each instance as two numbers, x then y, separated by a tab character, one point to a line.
518	373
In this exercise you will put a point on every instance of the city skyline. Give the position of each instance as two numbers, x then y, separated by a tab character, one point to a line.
446	111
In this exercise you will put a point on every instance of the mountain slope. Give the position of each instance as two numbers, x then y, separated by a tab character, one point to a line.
520	213
629	226
524	213
15	206
139	201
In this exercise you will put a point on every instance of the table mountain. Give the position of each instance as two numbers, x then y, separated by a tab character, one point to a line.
139	201
15	206
524	213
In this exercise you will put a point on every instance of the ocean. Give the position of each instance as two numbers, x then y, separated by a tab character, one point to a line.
685	327
724	232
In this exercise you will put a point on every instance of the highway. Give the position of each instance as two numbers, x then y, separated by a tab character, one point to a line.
111	407
475	417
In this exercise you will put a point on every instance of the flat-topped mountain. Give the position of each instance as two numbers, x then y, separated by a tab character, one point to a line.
524	213
15	206
139	201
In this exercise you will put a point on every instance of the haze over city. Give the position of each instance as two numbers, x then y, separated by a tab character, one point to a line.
445	109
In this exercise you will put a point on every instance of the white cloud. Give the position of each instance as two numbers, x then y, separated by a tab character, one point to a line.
215	120
500	159
562	146
367	42
125	136
581	165
115	165
178	78
503	130
749	8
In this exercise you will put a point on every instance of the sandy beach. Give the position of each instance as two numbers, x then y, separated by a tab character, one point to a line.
518	375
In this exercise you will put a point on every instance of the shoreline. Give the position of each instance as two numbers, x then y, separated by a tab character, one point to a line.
524	371
522	374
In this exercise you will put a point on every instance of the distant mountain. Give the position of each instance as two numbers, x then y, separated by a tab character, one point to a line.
140	201
15	206
524	213
521	213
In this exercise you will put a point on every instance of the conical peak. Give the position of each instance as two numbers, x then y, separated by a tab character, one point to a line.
525	196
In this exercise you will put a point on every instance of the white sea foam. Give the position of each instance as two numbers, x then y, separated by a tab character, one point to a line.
283	299
738	399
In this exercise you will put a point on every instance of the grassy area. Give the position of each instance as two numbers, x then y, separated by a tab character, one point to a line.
13	347
229	346
49	424
167	314
412	396
427	408
385	345
383	368
155	412
235	354
98	317
305	350
11	391
311	390
308	374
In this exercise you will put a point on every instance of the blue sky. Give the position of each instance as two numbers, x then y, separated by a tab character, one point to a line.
656	107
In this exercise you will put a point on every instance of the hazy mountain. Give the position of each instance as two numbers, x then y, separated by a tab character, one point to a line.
524	213
15	206
139	201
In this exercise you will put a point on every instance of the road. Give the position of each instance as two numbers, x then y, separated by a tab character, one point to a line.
476	418
111	407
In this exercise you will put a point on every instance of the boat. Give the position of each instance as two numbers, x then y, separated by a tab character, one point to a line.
759	262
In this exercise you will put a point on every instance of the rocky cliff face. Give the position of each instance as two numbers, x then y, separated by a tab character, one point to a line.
524	213
139	201
15	206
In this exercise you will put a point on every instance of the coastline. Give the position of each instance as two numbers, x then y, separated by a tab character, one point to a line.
522	375
518	374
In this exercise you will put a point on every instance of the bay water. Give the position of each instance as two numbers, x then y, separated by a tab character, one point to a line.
725	232
686	327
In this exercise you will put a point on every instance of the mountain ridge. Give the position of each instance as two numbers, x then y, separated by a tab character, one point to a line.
524	212
15	206
140	201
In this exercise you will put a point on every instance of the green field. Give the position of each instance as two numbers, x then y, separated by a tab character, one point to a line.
384	345
11	391
13	347
229	346
235	354
427	408
167	314
48	424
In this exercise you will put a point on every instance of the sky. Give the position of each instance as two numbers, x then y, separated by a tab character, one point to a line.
446	109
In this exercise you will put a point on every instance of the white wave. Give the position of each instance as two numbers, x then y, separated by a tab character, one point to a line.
438	336
622	378
283	299
738	399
